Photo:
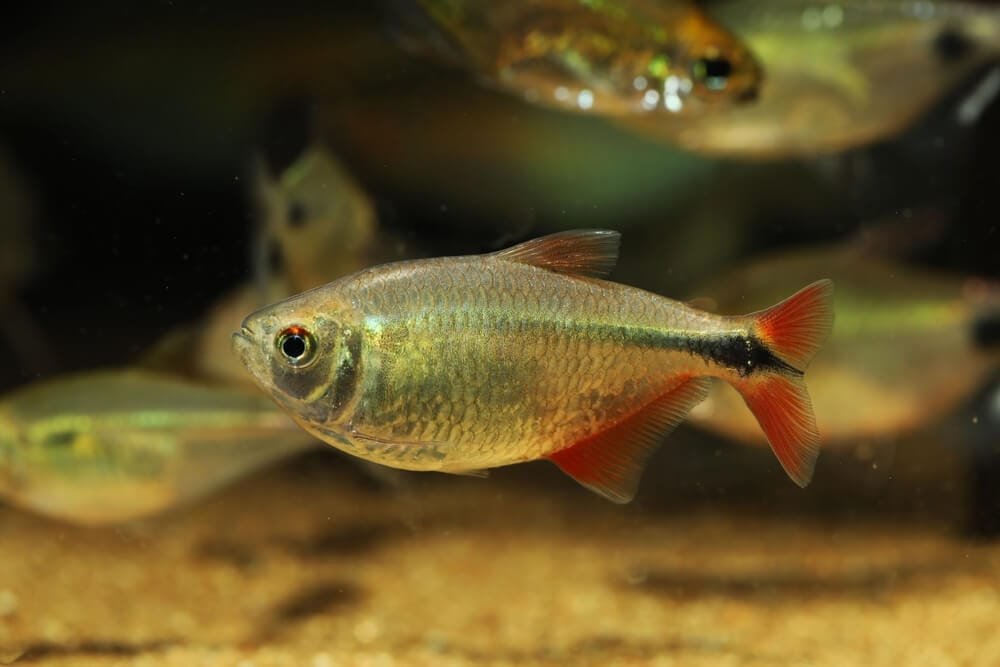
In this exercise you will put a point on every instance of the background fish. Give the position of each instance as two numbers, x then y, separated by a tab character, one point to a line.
909	344
110	446
609	58
839	75
316	219
458	364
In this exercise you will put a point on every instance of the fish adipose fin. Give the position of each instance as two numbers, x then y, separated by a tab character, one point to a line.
793	331
590	253
611	462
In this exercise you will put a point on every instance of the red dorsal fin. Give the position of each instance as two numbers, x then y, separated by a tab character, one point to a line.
581	252
783	409
796	328
610	462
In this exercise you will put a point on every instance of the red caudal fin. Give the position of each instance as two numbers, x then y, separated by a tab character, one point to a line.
793	331
796	328
783	409
611	461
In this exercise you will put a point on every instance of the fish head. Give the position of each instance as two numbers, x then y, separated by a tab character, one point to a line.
304	352
319	219
698	68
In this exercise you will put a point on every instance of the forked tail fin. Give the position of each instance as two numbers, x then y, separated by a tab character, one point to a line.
793	331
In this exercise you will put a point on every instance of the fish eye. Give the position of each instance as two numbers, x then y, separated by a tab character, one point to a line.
950	45
713	72
296	345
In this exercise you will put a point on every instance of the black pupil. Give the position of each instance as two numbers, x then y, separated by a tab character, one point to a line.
293	346
296	214
715	71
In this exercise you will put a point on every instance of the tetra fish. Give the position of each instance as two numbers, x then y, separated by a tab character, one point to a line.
608	58
116	445
464	363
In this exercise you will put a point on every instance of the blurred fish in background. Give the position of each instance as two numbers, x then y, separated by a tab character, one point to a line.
841	75
116	445
317	220
611	59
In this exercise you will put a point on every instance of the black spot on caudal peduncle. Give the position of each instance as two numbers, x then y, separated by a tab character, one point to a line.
744	354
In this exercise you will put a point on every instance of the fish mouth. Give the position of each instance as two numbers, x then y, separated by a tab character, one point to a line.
242	340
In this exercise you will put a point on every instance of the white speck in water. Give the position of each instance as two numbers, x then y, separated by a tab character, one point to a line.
975	419
650	99
671	100
640	82
561	93
585	99
812	18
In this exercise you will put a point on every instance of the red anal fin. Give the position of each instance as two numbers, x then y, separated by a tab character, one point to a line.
795	329
610	462
782	407
580	252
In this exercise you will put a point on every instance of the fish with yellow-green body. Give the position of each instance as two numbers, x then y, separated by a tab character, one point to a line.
110	446
464	363
909	346
608	57
839	74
